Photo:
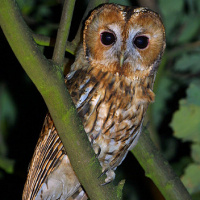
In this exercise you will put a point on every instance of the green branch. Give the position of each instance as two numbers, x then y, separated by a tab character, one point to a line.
158	170
49	80
63	32
50	42
70	46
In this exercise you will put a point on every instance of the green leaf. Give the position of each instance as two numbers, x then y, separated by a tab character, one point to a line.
170	9
43	11
188	63
186	122
196	152
171	6
7	164
191	178
186	125
190	28
193	94
7	106
196	196
7	116
125	2
198	5
165	90
181	164
25	6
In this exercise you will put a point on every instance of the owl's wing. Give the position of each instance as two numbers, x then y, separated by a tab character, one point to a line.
50	173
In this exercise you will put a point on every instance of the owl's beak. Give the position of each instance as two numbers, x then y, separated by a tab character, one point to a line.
121	59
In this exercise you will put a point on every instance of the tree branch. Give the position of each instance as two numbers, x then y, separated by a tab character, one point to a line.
158	169
70	46
63	31
49	80
47	41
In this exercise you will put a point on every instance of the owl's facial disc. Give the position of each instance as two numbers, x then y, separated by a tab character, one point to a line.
124	41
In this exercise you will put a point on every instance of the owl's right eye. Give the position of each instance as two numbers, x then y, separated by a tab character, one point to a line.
141	42
107	38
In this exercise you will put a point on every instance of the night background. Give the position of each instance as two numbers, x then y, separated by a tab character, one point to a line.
173	121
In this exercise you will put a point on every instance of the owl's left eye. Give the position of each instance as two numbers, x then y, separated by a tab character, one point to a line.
141	42
107	38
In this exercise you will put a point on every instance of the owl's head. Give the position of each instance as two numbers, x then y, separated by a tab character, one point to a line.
124	40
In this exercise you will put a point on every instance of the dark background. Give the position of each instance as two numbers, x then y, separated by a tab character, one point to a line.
177	88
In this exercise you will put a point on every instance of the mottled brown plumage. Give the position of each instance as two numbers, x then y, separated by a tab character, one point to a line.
111	84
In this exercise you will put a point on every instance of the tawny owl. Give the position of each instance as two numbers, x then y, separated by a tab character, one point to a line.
111	84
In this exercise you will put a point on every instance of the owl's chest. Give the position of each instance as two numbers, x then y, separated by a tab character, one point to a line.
106	104
112	121
110	115
111	112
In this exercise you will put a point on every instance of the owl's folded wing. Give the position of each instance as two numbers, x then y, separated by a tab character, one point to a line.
50	173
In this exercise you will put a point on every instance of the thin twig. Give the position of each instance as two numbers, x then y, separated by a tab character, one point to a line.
47	41
63	32
70	46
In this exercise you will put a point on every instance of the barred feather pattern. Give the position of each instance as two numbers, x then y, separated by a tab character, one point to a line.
50	173
112	110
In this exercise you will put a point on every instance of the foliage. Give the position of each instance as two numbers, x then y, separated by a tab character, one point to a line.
174	117
180	90
186	126
7	119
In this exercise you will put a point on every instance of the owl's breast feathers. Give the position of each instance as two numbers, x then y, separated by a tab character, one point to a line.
112	108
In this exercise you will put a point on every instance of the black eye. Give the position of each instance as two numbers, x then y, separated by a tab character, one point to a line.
141	42
107	38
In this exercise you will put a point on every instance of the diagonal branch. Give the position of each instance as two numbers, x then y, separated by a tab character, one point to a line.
49	80
158	169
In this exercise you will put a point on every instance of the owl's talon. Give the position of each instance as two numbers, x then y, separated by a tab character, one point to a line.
105	183
97	150
108	179
110	176
104	172
98	153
